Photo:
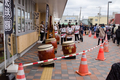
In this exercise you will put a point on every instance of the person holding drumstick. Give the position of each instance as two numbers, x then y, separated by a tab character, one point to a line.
70	31
76	32
63	33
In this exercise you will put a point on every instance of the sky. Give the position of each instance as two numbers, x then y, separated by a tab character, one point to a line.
90	7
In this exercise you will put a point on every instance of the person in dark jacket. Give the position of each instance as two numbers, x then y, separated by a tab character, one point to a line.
118	35
108	34
81	32
113	38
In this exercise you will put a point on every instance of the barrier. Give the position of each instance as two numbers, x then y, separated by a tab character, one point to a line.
39	62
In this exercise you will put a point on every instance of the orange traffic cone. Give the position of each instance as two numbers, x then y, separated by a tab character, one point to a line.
90	34
20	74
106	39
95	36
83	69
83	33
101	54
106	49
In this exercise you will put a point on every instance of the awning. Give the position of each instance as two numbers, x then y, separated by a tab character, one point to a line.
56	6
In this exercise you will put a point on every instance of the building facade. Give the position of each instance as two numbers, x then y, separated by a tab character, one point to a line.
69	18
28	15
101	20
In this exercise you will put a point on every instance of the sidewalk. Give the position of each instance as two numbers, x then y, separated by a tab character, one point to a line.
65	69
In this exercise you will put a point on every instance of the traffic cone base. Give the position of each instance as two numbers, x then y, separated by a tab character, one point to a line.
95	36
101	59
83	33
83	74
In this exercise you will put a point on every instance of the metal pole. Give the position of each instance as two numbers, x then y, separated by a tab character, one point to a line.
4	39
99	14
80	15
108	13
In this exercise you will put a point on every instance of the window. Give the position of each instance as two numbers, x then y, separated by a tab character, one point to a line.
70	20
28	15
28	25
25	9
96	19
19	20
23	21
75	20
31	26
28	8
1	9
65	20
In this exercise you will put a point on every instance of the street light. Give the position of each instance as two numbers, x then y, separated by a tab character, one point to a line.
108	12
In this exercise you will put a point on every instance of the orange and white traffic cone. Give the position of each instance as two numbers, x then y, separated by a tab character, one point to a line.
101	54
106	49
90	34
83	69
20	74
95	36
83	33
106	39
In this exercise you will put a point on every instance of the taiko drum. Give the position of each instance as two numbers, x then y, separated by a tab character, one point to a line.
46	52
68	47
53	42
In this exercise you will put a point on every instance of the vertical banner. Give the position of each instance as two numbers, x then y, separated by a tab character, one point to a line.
37	20
47	16
8	16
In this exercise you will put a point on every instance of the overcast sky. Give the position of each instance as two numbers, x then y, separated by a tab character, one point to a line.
90	7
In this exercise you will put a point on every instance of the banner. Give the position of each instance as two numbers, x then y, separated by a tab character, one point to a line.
8	16
47	16
37	21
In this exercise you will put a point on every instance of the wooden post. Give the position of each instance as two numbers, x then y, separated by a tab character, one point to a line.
50	28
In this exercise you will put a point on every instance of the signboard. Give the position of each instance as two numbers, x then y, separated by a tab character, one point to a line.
37	20
69	18
8	16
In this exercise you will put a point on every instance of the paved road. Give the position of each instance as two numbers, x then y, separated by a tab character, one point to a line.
65	69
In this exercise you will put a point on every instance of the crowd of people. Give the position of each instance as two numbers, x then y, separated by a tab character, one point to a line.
68	31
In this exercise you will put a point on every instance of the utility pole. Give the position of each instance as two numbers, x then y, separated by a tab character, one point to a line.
79	16
108	13
99	13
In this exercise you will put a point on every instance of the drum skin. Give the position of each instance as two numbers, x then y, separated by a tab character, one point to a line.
53	42
69	49
46	54
57	38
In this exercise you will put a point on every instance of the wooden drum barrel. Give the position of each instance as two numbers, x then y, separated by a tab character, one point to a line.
57	38
46	52
68	47
53	42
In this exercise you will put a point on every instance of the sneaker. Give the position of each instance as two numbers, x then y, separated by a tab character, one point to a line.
78	41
